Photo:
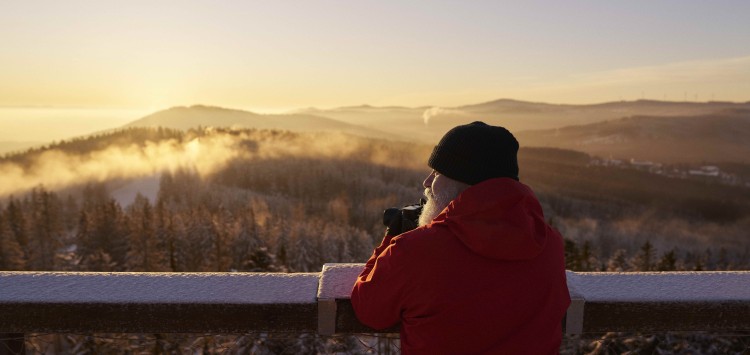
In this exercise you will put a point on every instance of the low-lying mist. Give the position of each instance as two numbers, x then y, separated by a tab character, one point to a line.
56	169
204	152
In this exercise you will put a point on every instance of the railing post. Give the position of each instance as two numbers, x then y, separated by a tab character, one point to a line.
326	316
574	315
12	344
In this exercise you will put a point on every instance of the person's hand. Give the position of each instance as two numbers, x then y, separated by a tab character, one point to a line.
394	227
402	220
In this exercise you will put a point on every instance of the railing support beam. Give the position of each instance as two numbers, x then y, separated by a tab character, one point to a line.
12	344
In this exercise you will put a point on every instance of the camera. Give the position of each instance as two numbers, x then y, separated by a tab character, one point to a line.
404	219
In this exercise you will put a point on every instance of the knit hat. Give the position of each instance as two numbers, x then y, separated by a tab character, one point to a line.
476	152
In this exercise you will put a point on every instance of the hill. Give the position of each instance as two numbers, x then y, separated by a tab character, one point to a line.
184	118
428	124
720	137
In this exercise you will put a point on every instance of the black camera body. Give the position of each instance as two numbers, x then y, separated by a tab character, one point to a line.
404	219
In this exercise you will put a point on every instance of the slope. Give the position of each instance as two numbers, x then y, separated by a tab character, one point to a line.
428	124
184	118
718	137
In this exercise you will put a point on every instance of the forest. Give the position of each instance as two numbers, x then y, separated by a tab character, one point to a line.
278	201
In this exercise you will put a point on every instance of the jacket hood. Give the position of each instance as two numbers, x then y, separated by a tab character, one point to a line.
498	218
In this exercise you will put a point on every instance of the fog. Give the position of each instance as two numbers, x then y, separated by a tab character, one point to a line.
204	154
55	169
438	111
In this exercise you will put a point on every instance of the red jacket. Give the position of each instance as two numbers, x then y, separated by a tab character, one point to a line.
487	276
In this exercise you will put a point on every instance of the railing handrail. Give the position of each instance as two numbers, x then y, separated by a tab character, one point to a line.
319	302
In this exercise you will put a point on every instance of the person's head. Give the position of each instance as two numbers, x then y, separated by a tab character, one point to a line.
465	156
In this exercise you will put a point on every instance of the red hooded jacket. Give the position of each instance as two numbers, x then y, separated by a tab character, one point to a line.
486	276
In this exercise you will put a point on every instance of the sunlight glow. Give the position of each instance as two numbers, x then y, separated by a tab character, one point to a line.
285	55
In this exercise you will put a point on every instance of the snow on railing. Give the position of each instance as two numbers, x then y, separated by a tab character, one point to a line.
658	301
59	302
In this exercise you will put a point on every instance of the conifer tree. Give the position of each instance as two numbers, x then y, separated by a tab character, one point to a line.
143	247
11	256
46	233
589	261
165	235
708	260
280	236
723	263
668	262
196	249
699	265
102	234
18	225
223	239
84	239
304	253
246	244
644	260
619	261
70	213
572	256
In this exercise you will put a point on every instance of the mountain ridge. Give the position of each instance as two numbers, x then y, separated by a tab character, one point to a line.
718	137
186	117
642	129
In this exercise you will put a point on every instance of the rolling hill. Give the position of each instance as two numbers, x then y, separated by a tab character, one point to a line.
667	132
720	137
184	118
428	124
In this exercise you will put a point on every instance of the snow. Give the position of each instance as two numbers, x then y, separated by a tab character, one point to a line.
214	288
660	287
337	280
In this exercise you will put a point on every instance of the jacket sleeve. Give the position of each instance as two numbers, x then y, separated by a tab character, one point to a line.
380	292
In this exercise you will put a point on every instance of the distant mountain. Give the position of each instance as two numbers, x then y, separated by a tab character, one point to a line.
521	115
428	124
719	137
183	118
638	107
397	120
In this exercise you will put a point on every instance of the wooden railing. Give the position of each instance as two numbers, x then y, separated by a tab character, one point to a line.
60	302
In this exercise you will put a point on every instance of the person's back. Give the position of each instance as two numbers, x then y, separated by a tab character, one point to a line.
485	276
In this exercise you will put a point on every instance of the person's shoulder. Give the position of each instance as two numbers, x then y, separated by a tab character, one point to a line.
422	238
418	250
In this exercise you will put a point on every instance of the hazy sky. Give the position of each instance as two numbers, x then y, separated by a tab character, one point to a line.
275	55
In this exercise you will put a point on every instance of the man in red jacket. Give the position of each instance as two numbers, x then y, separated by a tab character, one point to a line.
483	273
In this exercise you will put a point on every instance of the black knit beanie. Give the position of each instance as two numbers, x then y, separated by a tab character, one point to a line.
476	152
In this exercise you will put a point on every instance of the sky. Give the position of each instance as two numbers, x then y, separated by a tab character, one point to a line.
272	56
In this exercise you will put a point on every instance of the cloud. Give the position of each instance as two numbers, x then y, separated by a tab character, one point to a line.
721	70
727	79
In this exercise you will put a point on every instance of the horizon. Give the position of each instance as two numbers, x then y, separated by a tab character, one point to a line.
283	57
89	120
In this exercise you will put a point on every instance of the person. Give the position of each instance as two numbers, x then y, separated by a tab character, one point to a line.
483	272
